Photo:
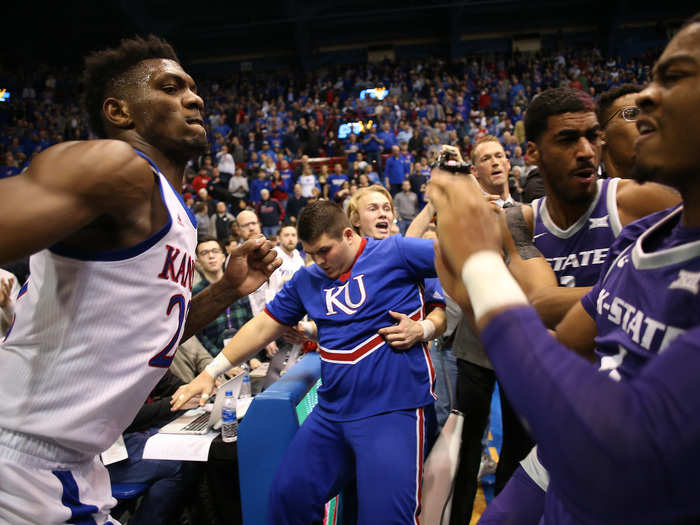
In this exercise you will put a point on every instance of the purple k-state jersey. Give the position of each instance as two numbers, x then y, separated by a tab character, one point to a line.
362	375
649	293
578	253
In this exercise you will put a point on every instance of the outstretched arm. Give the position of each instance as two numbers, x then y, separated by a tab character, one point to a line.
249	265
67	187
533	272
616	434
419	225
252	336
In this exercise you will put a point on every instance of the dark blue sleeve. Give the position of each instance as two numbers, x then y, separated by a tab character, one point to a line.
434	295
619	451
418	255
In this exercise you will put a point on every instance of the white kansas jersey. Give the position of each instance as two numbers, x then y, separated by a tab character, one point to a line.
93	333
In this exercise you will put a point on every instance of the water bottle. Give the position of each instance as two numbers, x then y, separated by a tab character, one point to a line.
229	423
245	387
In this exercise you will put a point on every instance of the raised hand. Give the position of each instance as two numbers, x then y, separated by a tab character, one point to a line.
251	264
466	222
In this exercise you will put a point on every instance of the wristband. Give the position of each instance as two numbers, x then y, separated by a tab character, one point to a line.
428	329
489	283
218	366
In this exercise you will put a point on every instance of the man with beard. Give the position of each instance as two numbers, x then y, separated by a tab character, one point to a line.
577	220
604	436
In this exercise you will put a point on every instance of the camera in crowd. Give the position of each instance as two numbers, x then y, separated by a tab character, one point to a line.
448	161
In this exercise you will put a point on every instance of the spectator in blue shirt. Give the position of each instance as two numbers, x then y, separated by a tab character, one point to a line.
11	167
287	176
386	137
266	150
257	185
372	144
394	172
351	148
334	182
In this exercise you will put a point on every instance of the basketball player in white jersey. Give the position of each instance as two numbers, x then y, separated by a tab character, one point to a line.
108	298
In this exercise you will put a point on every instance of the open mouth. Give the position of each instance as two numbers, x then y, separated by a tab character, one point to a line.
584	174
645	127
195	121
382	226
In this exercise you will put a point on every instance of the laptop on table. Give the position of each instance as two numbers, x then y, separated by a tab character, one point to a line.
200	420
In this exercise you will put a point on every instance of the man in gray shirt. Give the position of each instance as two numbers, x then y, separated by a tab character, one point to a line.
406	204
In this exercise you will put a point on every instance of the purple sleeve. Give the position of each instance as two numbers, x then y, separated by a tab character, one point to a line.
614	450
588	300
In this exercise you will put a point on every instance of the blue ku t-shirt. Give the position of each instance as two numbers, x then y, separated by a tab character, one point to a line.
361	374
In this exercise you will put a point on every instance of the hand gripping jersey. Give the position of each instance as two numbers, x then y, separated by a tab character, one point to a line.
649	294
361	374
578	253
92	335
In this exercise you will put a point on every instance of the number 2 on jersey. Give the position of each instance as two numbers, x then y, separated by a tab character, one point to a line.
163	358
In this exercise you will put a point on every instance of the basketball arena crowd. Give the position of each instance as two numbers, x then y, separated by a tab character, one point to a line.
550	147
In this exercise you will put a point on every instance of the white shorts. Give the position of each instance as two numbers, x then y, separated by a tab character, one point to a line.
31	495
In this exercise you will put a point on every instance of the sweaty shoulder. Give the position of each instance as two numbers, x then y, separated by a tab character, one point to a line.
103	171
635	200
633	230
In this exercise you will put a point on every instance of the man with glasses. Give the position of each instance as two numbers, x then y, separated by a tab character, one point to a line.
577	220
611	463
210	263
573	226
617	114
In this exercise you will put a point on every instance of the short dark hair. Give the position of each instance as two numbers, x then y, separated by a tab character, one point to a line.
321	217
103	69
207	238
609	97
554	101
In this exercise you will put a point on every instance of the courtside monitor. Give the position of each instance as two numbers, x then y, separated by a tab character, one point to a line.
304	408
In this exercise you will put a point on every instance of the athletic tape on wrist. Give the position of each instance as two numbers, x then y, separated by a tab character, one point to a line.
218	366
489	283
428	329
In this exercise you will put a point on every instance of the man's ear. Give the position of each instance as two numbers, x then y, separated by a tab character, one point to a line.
116	113
533	152
348	234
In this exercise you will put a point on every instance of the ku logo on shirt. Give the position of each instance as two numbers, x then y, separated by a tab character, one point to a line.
340	298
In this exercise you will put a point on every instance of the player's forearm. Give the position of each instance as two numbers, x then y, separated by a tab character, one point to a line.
254	335
207	305
553	302
419	225
595	435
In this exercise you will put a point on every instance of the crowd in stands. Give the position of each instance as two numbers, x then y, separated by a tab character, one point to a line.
275	146
272	132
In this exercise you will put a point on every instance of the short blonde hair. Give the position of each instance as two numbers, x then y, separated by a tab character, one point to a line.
353	210
482	140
